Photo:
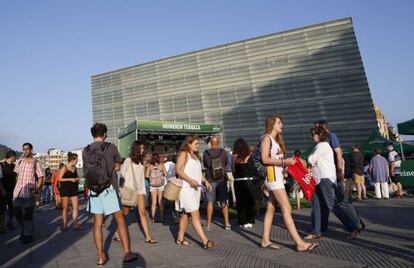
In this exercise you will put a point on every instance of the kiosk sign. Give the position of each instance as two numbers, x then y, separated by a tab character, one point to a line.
407	172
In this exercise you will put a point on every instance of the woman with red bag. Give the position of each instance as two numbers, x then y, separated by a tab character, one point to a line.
272	151
324	201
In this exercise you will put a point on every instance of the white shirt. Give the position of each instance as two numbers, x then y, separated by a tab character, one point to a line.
323	164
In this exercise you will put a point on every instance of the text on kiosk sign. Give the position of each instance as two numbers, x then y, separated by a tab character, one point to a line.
181	126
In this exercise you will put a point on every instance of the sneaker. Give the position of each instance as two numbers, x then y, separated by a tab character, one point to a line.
249	225
228	227
208	227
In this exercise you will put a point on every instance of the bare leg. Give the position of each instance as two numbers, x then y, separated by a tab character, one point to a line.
161	205
122	231
195	220
97	235
281	197
364	190
75	209
143	216
225	210
268	220
183	226
153	204
359	190
65	204
126	210
209	212
400	189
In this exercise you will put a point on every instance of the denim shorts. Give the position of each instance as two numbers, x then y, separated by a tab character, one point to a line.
107	202
219	192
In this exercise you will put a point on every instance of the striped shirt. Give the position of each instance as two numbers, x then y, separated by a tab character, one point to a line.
25	178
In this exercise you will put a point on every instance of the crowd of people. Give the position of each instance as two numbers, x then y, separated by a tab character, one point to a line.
109	177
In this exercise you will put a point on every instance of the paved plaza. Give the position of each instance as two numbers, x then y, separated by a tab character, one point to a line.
388	241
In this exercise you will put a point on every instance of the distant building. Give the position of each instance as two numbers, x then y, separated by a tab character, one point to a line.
304	74
42	158
382	122
55	157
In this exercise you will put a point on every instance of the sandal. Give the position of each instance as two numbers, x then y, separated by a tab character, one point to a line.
271	246
313	237
131	256
63	228
209	245
102	263
151	241
310	248
183	242
117	239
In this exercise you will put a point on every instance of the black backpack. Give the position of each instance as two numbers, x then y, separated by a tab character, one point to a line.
97	176
255	162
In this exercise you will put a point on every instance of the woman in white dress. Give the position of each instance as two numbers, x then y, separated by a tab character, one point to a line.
272	152
188	169
134	163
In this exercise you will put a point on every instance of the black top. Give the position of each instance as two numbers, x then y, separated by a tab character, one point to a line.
69	175
241	170
358	163
9	176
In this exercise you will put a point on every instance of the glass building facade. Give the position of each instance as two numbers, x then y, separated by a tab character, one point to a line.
305	74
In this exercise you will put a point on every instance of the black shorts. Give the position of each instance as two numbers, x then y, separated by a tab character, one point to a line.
68	189
395	178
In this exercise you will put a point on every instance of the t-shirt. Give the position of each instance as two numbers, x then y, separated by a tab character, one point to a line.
9	176
112	156
208	155
334	143
357	163
395	157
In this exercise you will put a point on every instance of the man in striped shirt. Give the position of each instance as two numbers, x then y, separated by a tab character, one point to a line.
29	182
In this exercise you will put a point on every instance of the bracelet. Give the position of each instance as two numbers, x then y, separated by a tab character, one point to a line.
283	162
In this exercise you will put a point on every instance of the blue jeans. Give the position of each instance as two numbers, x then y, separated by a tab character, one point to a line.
324	201
47	193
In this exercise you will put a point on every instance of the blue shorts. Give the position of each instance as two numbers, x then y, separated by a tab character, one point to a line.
218	192
107	202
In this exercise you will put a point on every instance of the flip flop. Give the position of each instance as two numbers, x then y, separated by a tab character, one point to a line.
271	246
151	241
310	248
104	262
117	239
183	242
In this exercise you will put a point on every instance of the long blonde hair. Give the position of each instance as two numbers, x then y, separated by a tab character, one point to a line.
270	122
185	147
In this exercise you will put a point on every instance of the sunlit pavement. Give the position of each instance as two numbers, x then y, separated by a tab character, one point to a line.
388	241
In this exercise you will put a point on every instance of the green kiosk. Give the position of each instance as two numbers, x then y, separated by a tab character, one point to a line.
163	137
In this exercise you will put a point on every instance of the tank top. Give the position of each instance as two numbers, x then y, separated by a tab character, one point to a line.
276	154
70	174
241	170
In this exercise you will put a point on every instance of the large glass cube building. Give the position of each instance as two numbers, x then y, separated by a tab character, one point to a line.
304	74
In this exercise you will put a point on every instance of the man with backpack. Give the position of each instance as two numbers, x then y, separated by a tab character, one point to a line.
215	162
101	161
29	183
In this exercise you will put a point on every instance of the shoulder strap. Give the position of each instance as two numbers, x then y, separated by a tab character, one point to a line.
35	161
133	175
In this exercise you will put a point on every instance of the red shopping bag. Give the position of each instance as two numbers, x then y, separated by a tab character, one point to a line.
304	178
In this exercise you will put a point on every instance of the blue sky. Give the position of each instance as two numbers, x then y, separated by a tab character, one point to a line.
49	50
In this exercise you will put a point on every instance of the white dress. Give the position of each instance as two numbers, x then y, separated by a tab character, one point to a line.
189	199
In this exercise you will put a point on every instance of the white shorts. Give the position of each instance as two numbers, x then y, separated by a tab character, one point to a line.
277	182
157	189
